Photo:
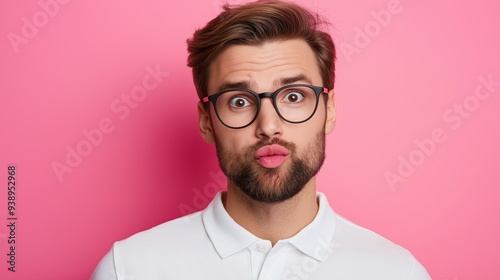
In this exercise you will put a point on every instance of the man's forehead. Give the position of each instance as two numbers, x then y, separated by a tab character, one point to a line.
253	84
277	63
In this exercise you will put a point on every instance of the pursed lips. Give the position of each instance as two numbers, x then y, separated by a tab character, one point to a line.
271	156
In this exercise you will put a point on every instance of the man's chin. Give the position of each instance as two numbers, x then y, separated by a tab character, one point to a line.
271	198
270	193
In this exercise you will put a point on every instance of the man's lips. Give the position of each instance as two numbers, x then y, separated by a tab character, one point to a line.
271	156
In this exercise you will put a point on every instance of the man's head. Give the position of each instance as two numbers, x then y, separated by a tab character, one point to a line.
269	148
254	24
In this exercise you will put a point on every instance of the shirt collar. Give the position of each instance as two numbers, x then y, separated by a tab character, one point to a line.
228	237
317	237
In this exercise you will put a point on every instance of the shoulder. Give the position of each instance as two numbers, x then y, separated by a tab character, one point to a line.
359	238
165	237
357	247
148	251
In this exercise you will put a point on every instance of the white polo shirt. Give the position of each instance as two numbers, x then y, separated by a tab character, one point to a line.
210	245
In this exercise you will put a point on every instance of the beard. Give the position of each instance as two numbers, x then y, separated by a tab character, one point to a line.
271	185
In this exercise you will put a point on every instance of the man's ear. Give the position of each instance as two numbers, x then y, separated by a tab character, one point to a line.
331	114
206	129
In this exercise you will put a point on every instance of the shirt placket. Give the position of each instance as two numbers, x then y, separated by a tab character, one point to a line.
268	263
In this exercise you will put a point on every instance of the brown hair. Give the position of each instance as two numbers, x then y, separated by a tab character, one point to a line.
256	23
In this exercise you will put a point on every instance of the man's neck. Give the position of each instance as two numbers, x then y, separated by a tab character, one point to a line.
272	221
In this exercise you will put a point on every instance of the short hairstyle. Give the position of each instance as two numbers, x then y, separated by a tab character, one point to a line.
254	24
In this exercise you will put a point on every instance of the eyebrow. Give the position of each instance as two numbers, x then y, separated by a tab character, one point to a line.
290	80
277	83
230	85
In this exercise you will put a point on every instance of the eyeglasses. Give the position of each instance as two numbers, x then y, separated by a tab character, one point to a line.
238	108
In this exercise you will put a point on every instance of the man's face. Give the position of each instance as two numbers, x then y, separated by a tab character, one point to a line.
271	160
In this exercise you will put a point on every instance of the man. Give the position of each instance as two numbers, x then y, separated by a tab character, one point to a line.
264	73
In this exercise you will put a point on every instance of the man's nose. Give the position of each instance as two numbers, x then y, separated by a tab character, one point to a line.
269	123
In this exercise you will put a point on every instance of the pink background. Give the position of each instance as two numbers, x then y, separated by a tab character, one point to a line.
396	84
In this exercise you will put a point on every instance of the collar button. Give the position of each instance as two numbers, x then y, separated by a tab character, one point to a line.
261	248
